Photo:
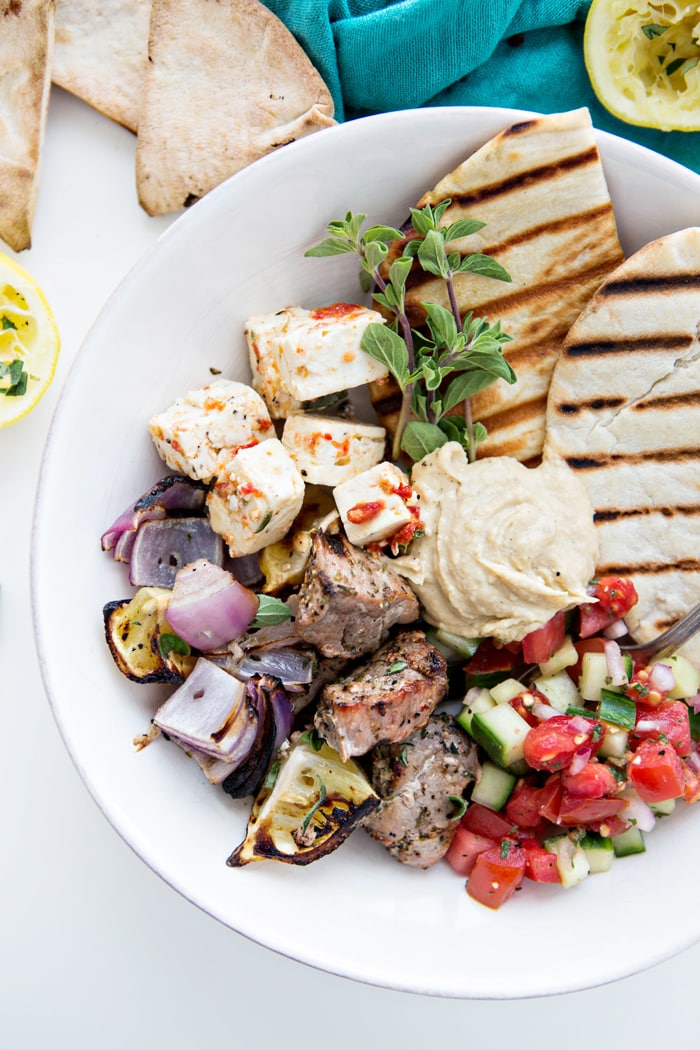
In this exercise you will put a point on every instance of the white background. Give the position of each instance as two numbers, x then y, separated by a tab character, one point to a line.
96	951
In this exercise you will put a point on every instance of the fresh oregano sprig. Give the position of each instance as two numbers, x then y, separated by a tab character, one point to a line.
440	368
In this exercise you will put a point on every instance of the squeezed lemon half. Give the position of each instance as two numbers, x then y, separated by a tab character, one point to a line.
29	342
643	60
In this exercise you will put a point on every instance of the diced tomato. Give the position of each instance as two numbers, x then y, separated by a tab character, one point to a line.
655	772
489	658
595	780
588	645
483	821
551	799
613	825
523	806
465	848
540	864
540	645
552	744
616	596
497	874
667	723
574	811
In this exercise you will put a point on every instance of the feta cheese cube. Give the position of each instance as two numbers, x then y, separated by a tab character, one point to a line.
373	505
263	334
328	451
312	353
257	496
201	431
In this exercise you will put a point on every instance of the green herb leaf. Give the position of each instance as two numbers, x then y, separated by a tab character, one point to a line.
465	386
462	228
653	30
398	665
421	438
322	793
485	266
459	806
265	522
312	738
6	322
172	643
442	324
431	255
381	233
329	246
270	611
383	344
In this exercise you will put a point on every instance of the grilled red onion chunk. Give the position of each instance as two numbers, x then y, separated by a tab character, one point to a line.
161	548
208	607
172	495
212	713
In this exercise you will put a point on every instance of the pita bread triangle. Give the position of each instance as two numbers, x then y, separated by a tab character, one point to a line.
624	411
26	40
226	83
539	187
100	54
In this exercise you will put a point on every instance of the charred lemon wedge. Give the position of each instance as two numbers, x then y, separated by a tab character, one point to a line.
142	641
308	805
643	60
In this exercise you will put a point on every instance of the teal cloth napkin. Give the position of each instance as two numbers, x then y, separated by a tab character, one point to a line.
382	55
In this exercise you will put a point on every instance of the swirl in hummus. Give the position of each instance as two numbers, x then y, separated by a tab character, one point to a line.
505	547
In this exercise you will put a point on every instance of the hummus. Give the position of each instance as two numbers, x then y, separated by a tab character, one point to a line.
505	547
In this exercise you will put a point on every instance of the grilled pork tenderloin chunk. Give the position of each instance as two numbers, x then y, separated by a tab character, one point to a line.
350	598
417	782
384	699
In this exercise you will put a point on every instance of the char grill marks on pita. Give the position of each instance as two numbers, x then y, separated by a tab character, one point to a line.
540	189
624	411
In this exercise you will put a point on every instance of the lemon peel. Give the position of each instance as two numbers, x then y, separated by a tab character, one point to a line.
29	342
643	61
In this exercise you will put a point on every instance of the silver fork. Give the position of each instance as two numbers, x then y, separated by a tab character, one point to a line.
667	642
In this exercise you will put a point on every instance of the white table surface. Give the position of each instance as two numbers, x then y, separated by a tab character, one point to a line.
95	950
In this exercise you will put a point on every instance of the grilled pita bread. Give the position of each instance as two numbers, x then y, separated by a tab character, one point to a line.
624	411
226	83
100	54
26	39
539	187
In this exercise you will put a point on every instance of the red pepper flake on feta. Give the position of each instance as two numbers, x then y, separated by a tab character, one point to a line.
205	428
374	505
328	450
257	496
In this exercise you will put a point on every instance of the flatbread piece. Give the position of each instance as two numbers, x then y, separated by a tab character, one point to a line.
624	411
539	187
26	41
226	83
100	54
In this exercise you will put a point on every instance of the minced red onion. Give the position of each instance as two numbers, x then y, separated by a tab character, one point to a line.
543	711
649	725
693	759
580	760
694	702
617	629
580	724
638	811
616	668
661	678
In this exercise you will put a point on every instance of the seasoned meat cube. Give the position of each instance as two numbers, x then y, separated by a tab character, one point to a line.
384	699
349	599
416	819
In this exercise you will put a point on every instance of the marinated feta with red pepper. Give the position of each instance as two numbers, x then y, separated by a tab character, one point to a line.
328	450
375	504
256	497
306	354
202	430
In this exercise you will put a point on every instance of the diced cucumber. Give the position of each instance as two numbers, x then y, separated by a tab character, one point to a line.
628	842
463	647
494	787
617	709
501	731
572	862
475	700
694	722
507	690
559	690
663	809
685	675
599	852
595	676
614	743
567	656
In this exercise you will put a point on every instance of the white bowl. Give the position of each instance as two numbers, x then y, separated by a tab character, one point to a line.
179	313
